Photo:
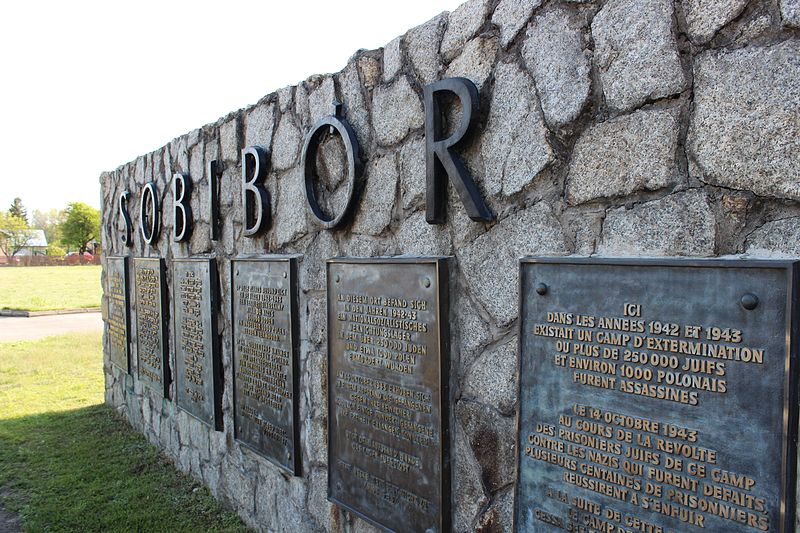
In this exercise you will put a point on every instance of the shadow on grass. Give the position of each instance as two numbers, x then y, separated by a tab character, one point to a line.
87	470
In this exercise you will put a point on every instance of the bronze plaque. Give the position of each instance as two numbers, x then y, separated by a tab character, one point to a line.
388	393
151	324
265	358
118	320
657	396
198	367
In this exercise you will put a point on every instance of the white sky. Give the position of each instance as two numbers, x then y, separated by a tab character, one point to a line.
87	86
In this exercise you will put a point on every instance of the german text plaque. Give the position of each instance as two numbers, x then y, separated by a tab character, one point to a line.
151	328
388	391
198	368
657	396
118	321
265	358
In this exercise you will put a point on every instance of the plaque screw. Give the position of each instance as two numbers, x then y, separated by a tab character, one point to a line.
284	274
749	301
541	289
426	282
336	278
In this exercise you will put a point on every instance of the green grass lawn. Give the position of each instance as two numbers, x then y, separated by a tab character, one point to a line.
68	463
47	288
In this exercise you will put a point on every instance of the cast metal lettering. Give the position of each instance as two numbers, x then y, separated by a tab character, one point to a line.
127	231
333	123
150	214
440	158
214	173
255	199
183	223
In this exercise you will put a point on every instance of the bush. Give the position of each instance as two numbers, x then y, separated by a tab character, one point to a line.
54	250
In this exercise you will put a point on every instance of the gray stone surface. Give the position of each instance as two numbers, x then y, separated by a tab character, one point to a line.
511	16
259	124
493	441
470	496
320	100
745	132
377	201
492	378
417	237
290	218
490	261
462	25
635	52
624	155
412	173
553	52
355	108
704	18
515	147
475	61
790	13
287	145
681	224
397	110
422	44
392	58
777	237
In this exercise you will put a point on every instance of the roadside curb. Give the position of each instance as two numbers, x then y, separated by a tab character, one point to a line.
19	313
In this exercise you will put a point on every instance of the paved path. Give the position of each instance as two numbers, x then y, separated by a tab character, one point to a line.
36	327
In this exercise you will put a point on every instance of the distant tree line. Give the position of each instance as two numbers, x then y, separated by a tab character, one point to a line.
74	228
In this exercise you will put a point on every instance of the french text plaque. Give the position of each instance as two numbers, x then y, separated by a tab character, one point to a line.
388	393
118	321
265	358
198	368
151	327
657	395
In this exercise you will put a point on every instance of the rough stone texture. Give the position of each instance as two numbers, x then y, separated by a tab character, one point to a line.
515	148
778	237
511	15
790	13
392	58
624	155
635	52
554	54
476	60
709	172
745	132
490	261
704	18
463	24
397	110
681	224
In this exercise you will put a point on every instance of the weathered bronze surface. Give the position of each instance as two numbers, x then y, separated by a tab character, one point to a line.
198	368
118	321
657	395
265	358
388	394
151	324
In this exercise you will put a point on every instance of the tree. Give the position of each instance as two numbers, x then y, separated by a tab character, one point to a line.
14	234
18	210
81	225
49	221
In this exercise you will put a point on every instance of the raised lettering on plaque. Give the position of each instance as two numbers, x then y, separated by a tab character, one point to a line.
388	393
118	321
198	367
265	359
657	396
151	328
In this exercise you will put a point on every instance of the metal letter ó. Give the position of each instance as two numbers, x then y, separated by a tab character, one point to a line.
182	221
149	213
338	123
440	159
126	236
255	199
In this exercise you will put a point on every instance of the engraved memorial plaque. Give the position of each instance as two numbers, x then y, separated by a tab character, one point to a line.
118	321
388	393
151	326
265	358
198	368
657	396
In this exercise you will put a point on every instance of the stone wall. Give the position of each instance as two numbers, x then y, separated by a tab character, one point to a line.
616	128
